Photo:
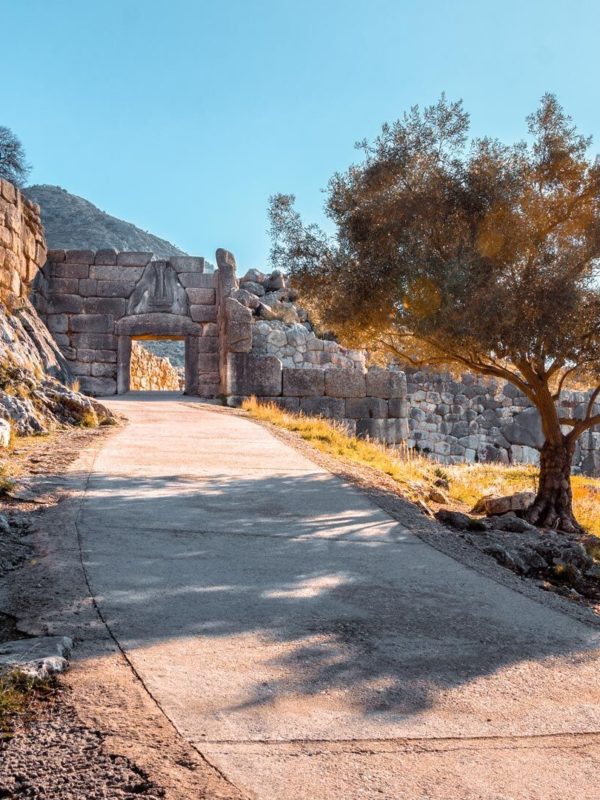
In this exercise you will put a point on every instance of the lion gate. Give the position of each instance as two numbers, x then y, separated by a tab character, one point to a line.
96	303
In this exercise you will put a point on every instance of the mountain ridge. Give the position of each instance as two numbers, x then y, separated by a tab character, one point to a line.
72	222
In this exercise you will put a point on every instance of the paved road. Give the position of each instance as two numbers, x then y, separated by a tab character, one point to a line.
307	643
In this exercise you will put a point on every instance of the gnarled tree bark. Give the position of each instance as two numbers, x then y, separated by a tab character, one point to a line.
553	505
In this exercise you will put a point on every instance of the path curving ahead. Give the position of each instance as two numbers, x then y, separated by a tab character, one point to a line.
308	644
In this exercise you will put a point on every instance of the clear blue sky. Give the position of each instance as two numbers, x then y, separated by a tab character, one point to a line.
183	116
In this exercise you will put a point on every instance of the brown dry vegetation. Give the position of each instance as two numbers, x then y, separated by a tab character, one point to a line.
416	475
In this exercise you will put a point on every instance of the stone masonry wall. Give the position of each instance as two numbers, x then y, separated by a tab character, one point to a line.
22	244
150	372
269	350
93	301
475	420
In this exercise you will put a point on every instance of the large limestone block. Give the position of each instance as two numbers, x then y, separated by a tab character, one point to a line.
525	429
385	383
80	256
201	296
203	313
345	383
197	280
69	270
366	407
115	288
92	323
133	259
328	407
98	387
248	374
303	382
108	257
187	263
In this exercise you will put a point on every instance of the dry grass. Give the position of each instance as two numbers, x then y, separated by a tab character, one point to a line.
416	475
17	691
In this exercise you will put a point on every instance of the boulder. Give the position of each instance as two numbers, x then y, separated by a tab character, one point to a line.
493	506
252	286
275	281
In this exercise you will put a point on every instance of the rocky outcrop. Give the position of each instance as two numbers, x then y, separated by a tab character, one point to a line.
150	372
35	383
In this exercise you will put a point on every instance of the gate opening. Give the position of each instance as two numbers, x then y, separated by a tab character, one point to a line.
157	365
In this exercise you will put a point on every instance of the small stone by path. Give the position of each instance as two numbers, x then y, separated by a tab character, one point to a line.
309	645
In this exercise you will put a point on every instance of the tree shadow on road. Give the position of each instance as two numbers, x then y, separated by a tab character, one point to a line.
309	595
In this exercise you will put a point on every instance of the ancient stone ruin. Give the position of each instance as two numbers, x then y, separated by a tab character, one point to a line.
242	336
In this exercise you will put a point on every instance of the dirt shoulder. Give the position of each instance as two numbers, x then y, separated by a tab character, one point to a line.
101	734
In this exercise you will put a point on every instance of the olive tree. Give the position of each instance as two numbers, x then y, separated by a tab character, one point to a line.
13	164
469	254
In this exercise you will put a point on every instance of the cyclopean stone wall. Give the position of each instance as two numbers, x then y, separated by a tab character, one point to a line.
150	372
22	244
476	420
268	349
97	303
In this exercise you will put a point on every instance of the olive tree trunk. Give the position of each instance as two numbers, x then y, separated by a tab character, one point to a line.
553	505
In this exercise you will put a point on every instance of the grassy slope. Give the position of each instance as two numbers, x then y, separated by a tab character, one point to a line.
416	475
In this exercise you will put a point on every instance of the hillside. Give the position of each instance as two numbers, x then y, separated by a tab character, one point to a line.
72	222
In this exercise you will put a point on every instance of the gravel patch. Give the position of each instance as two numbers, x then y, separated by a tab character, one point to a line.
52	755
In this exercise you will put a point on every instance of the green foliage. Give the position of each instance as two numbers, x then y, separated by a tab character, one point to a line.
468	254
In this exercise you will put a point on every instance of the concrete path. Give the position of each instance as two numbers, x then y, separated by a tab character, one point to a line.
308	644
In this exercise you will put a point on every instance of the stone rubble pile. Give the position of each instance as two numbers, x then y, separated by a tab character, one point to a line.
283	329
556	557
153	373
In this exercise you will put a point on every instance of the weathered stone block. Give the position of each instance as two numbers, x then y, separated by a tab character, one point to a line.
79	256
197	280
385	383
95	341
248	374
70	271
208	344
133	259
397	407
77	368
200	297
203	313
107	256
98	387
57	323
239	337
105	272
345	383
210	329
66	304
56	256
208	362
366	407
115	288
329	407
105	305
92	323
65	286
93	356
303	382
88	287
187	263
208	389
100	370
